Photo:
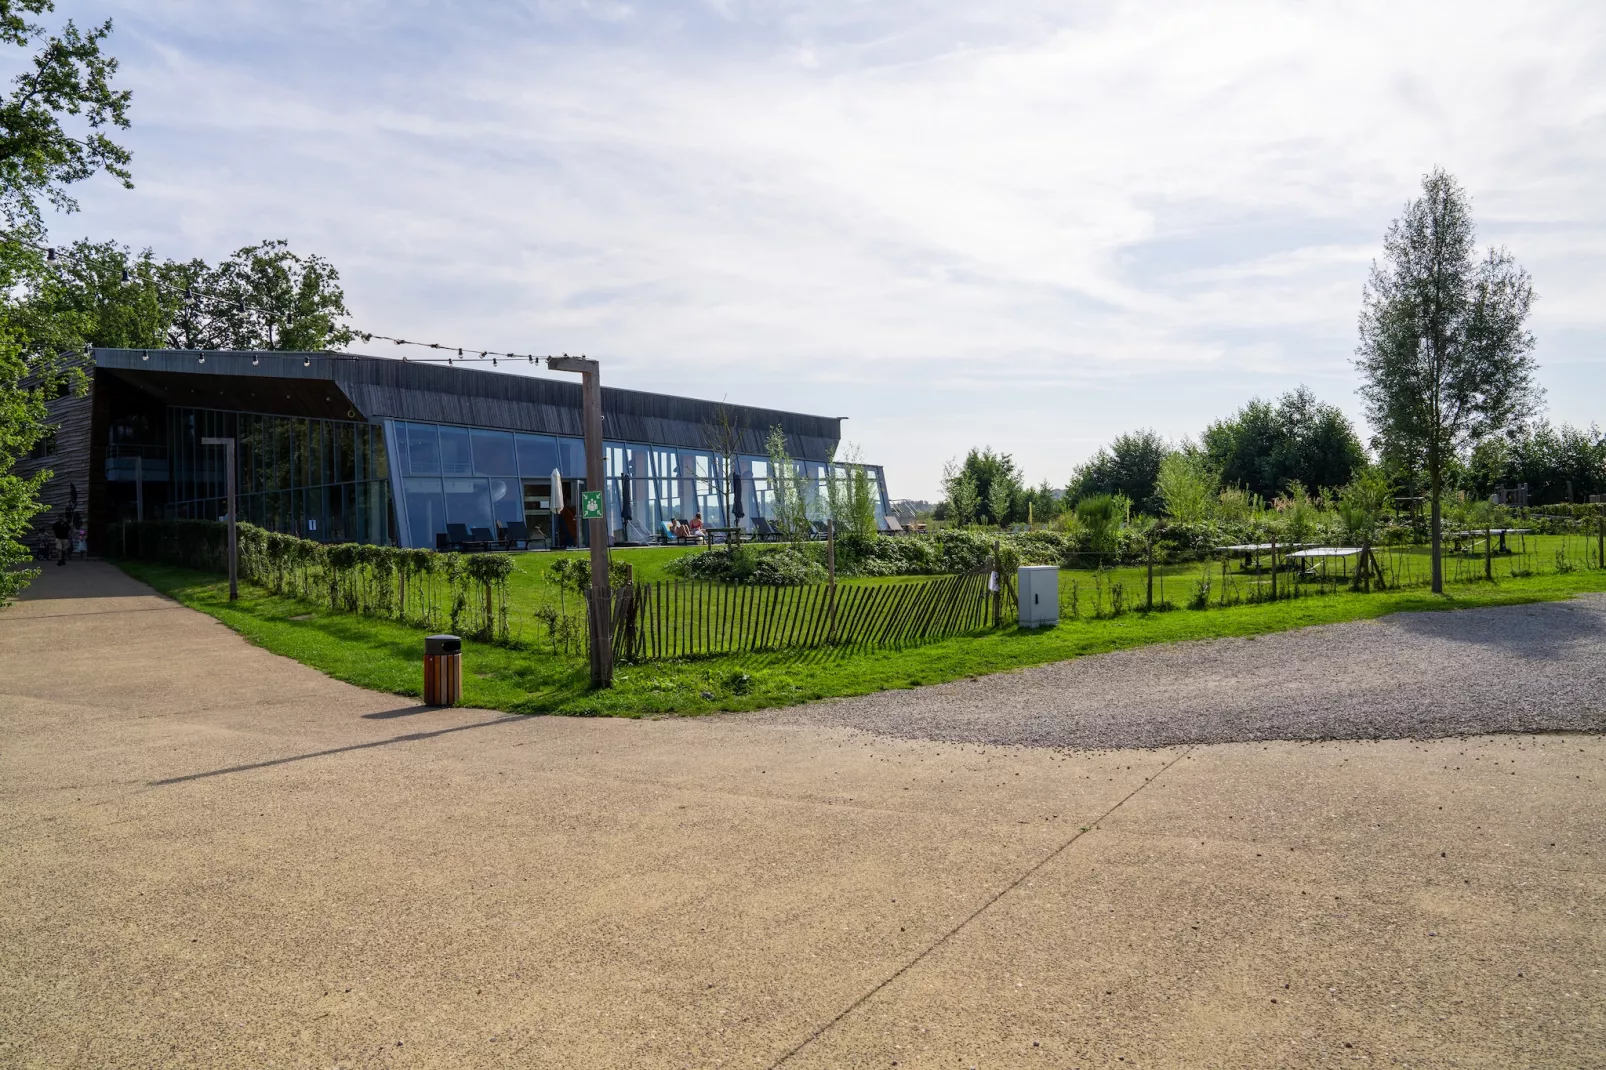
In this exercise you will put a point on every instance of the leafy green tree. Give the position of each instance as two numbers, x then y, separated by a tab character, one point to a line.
24	423
995	483
267	297
1040	504
1100	517
102	294
69	76
1363	505
81	299
1445	353
1264	446
1187	487
1551	460
1130	465
786	489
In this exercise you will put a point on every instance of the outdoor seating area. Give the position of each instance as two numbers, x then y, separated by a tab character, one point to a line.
512	535
1315	564
1468	541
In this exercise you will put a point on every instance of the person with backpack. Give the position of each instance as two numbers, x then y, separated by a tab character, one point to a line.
63	533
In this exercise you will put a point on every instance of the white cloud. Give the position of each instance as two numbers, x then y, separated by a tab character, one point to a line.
1019	222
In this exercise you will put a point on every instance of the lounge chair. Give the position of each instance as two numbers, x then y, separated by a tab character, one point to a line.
456	536
763	529
894	527
515	531
481	537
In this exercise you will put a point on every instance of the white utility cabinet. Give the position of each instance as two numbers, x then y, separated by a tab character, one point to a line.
1039	589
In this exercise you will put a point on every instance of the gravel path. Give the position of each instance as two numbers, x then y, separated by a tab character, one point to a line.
1530	668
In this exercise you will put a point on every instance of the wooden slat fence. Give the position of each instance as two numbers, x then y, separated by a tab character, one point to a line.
660	620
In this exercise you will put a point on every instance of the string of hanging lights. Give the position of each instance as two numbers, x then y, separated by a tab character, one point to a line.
443	353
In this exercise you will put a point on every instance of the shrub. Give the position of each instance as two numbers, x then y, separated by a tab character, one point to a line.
464	592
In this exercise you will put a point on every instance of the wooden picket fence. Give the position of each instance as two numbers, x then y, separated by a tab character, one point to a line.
653	621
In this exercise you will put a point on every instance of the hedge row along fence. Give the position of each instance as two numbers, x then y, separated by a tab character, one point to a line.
462	593
684	619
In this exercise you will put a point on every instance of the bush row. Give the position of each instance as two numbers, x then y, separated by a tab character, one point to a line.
462	593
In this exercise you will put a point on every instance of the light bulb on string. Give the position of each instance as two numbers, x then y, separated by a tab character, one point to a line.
255	360
126	275
203	359
306	362
144	354
50	254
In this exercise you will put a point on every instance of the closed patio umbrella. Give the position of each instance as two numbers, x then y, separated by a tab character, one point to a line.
737	512
626	514
557	492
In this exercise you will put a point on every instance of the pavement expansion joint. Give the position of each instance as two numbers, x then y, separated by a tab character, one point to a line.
1026	875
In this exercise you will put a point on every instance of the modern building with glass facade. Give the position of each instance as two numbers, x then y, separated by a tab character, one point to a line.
345	448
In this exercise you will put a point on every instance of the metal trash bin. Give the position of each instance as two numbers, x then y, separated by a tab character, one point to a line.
443	670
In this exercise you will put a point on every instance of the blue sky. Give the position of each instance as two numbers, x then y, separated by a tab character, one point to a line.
1030	225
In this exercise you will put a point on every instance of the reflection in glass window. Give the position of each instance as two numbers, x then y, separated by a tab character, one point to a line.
572	457
468	501
507	500
456	457
426	511
493	453
421	448
538	455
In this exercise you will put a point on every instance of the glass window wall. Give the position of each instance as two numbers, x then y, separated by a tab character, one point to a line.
491	479
320	479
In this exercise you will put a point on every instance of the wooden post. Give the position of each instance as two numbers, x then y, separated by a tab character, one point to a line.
1274	568
233	548
401	591
1600	540
998	586
139	487
1488	553
600	616
830	564
1150	600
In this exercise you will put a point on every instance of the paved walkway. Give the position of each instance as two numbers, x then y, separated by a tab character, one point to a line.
211	856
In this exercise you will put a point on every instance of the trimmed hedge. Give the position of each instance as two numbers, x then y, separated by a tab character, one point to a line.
462	593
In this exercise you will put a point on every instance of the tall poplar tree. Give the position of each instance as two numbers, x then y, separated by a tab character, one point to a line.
1445	353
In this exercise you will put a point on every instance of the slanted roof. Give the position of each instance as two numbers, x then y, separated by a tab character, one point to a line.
346	385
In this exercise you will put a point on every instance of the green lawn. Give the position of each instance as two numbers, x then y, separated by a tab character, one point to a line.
386	656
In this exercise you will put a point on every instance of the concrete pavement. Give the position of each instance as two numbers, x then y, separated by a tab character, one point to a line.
212	856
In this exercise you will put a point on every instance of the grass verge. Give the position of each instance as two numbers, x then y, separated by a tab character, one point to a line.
386	656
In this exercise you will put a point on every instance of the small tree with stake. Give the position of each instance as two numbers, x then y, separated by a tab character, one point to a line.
1444	350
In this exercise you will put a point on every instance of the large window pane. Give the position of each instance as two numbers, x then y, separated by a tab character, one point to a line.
421	449
379	466
426	511
538	455
493	453
572	457
507	500
346	437
456	457
468	502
